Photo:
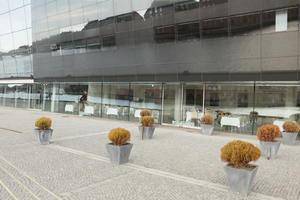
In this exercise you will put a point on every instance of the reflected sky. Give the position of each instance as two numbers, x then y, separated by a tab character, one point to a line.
15	38
15	20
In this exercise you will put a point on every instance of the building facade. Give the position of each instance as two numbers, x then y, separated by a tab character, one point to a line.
235	59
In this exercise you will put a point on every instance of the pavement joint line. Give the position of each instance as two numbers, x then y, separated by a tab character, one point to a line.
8	190
20	183
79	136
7	129
161	173
30	178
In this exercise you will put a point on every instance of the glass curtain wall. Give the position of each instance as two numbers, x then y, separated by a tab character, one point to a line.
70	98
116	101
145	96
93	106
236	107
193	107
22	96
231	105
276	103
2	94
10	95
36	96
172	104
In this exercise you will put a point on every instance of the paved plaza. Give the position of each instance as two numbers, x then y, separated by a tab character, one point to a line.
177	164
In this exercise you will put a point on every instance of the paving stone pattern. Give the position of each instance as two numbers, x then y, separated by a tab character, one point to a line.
177	164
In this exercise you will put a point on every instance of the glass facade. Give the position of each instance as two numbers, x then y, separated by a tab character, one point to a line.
239	107
15	39
166	40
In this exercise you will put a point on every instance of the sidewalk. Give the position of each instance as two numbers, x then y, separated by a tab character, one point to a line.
177	164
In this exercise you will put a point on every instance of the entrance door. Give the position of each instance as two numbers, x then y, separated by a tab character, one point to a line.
36	92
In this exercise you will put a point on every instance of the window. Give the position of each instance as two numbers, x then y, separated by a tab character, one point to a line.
124	18
215	28
164	34
109	41
280	20
93	43
188	31
244	25
183	6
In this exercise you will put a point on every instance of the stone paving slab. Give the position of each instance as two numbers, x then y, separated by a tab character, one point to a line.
134	187
176	164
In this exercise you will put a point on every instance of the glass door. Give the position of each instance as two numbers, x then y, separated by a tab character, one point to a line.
193	107
172	104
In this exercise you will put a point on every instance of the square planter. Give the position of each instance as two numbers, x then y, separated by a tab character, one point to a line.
146	132
119	154
269	149
240	180
207	129
44	136
289	138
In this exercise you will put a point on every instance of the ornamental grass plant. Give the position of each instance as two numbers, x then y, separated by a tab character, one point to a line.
207	119
268	133
144	113
239	154
119	136
291	127
147	121
43	123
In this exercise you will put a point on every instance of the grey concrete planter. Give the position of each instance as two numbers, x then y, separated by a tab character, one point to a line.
146	132
240	180
118	154
44	136
269	149
289	138
207	129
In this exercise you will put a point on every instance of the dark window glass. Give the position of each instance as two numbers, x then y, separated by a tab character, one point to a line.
194	97
159	11
66	48
214	28
78	44
107	21
190	97
209	3
188	31
91	25
293	19
268	21
246	24
189	5
124	18
66	45
242	100
164	34
214	99
109	41
293	14
93	43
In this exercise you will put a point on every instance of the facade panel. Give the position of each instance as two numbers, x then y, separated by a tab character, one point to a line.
15	39
164	38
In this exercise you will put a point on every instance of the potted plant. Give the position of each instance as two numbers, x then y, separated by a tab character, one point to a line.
267	135
240	174
207	124
290	133
144	113
43	130
146	129
119	149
